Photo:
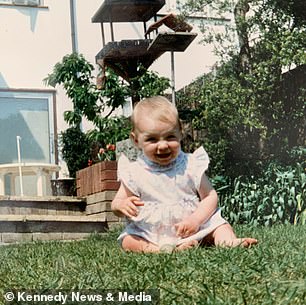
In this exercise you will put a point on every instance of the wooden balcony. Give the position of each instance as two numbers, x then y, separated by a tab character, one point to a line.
127	10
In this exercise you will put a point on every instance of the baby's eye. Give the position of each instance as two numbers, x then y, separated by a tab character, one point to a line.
151	139
171	137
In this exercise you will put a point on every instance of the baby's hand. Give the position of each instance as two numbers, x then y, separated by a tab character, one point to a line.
187	227
128	206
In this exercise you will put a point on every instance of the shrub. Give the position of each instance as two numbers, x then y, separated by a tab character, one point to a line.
75	149
80	149
108	131
278	196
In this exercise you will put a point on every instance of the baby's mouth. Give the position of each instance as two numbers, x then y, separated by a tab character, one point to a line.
163	156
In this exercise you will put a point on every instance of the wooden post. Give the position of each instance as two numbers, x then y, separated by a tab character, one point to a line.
172	77
103	36
145	29
112	31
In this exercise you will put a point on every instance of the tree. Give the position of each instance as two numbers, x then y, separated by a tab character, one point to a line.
295	8
91	101
74	72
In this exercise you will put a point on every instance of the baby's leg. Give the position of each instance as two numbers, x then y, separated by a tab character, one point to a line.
224	236
135	243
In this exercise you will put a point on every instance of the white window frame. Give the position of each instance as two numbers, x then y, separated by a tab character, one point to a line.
23	2
50	96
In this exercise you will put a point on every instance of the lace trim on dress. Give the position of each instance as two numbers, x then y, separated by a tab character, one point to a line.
153	166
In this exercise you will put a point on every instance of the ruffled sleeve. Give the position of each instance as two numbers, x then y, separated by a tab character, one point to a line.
125	174
199	162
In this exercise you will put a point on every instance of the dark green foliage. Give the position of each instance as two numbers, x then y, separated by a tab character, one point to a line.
221	113
151	84
114	93
146	84
108	131
277	196
74	72
296	8
75	149
249	112
79	147
251	115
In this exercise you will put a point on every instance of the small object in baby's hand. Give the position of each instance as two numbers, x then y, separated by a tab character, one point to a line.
167	238
167	248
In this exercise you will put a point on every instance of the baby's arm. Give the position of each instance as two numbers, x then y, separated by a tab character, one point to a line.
207	206
125	203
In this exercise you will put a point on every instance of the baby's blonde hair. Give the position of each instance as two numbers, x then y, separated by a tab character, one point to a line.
158	108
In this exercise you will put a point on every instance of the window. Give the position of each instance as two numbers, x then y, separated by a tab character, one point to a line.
30	116
22	2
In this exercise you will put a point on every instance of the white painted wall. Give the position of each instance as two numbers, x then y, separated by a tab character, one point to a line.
34	39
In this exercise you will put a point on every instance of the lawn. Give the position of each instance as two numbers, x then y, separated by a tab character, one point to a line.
273	272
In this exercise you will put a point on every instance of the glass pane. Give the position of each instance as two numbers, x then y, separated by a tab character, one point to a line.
29	119
24	2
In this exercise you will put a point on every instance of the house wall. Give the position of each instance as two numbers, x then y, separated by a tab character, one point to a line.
35	39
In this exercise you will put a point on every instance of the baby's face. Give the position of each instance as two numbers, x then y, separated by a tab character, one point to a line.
159	141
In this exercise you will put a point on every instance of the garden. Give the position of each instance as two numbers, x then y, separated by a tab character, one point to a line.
249	114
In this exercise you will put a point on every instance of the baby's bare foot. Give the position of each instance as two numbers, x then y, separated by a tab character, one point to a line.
248	242
187	245
239	242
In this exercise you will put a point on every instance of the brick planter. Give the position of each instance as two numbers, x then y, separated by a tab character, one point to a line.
97	178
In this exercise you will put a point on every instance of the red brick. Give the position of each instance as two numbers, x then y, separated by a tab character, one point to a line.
108	165
110	185
97	178
108	175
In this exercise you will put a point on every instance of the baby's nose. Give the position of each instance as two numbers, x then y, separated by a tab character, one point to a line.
162	145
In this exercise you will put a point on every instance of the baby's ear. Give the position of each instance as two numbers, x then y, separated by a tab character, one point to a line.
134	138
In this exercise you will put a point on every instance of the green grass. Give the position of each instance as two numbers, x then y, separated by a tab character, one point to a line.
273	272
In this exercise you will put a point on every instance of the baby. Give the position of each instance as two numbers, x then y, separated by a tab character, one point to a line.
165	195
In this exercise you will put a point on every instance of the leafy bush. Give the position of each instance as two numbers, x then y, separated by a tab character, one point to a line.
108	131
78	148
75	149
150	84
74	72
278	196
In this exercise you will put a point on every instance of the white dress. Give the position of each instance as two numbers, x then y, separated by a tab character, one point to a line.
169	193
